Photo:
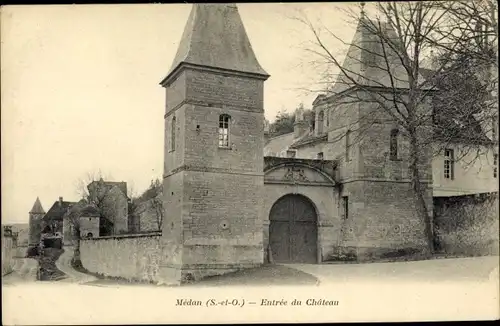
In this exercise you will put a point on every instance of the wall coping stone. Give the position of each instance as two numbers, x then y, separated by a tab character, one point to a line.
126	236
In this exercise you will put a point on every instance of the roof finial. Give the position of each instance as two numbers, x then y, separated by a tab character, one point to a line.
362	4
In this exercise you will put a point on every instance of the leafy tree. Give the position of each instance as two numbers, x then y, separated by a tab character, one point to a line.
283	124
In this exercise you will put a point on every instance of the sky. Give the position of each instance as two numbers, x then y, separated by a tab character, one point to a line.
80	88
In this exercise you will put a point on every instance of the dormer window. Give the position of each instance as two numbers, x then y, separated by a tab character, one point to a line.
290	153
224	120
320	156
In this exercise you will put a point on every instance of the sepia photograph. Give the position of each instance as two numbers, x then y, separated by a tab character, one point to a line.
249	162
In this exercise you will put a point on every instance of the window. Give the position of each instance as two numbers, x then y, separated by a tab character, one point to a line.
320	156
345	207
448	164
172	135
224	130
495	165
393	150
347	145
290	154
321	118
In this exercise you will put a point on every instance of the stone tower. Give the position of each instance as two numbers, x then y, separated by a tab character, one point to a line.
376	199
214	139
35	227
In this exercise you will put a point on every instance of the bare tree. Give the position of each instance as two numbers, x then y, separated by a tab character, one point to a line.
382	69
466	47
81	185
157	201
471	30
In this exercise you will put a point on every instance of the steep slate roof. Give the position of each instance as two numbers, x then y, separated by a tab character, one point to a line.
366	43
57	211
37	207
214	36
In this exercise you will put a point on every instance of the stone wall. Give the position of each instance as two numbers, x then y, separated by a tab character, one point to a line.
382	220
89	225
132	257
8	252
467	225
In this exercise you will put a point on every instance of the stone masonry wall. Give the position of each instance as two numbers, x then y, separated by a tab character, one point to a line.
218	233
202	182
381	219
246	139
8	252
148	217
467	225
132	257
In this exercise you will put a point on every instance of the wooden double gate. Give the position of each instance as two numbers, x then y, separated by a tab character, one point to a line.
293	232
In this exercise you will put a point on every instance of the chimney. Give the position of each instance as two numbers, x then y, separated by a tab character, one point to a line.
300	126
60	201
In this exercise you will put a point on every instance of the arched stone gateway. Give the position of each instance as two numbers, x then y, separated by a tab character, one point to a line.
293	231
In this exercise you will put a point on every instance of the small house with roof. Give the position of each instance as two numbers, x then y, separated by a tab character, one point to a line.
52	221
82	218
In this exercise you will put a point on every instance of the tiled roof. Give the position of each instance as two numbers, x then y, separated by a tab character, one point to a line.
358	64
309	139
57	211
465	130
450	126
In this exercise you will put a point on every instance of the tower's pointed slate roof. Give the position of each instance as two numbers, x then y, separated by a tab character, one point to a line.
365	62
214	36
37	207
